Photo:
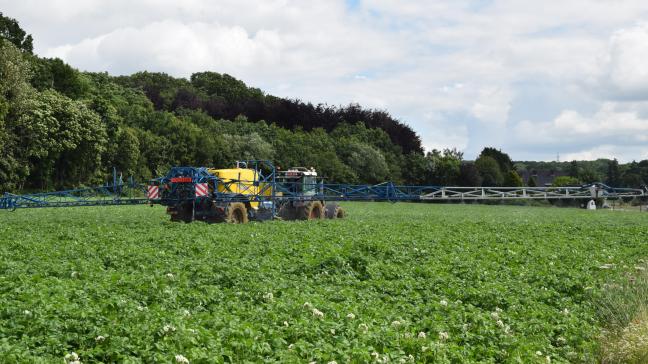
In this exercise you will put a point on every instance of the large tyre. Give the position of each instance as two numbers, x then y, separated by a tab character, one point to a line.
311	210
236	213
287	212
334	211
181	213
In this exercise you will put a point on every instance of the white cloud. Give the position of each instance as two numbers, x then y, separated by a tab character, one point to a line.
174	47
611	130
492	105
626	154
444	135
570	125
625	66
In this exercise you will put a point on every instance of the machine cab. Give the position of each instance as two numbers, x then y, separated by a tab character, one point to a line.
299	181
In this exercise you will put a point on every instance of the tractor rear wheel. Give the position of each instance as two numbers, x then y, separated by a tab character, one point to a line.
334	211
182	212
312	210
287	212
236	213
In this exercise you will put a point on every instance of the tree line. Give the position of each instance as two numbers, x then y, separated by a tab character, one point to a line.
608	171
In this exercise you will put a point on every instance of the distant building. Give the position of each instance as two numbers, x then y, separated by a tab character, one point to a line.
542	177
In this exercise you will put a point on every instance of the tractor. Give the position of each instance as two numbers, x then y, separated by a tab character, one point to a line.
302	183
252	190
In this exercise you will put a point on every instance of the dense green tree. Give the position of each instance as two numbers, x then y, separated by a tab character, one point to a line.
469	175
55	74
155	154
565	181
12	32
250	146
573	170
643	169
635	174
127	156
364	160
613	177
15	92
589	175
443	168
503	160
160	88
62	140
221	85
532	182
415	169
489	170
513	179
322	153
632	180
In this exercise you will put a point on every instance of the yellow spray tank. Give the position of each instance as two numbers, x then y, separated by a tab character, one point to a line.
244	181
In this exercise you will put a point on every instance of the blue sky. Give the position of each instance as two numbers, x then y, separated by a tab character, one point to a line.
536	79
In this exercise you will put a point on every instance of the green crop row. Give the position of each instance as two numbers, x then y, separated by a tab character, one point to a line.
390	283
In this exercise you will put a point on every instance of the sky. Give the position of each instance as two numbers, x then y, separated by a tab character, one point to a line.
542	80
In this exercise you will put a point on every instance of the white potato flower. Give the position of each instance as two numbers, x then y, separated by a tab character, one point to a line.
443	303
422	335
100	338
181	359
350	316
318	313
443	335
72	358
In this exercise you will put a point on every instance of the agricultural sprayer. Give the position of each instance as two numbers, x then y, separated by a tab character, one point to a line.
256	190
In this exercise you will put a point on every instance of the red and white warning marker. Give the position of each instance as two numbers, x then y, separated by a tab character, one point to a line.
201	189
153	193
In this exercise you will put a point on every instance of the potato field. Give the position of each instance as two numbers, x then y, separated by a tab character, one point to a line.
390	283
